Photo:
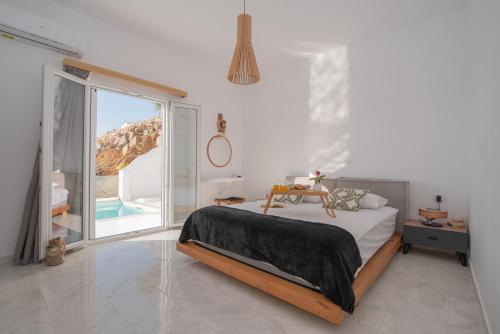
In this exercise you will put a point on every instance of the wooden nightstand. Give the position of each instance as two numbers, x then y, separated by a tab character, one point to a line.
444	238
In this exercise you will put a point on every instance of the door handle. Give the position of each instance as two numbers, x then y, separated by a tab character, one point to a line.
432	238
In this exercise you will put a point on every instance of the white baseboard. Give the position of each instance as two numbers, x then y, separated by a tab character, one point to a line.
485	315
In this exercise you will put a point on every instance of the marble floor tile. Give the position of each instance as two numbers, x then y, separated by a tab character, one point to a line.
90	315
117	280
24	311
143	285
154	312
57	290
465	317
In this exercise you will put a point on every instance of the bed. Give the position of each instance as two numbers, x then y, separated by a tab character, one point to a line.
377	234
60	204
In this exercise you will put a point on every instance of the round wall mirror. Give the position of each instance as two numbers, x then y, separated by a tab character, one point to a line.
219	151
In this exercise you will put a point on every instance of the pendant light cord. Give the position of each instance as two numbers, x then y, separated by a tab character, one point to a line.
244	6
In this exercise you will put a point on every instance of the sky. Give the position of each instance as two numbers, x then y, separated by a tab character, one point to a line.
114	109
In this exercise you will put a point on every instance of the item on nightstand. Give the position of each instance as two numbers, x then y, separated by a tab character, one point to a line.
430	215
229	200
458	223
55	252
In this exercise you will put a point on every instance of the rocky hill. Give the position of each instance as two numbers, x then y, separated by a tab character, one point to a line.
116	149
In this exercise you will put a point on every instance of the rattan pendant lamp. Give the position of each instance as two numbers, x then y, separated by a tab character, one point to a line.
243	69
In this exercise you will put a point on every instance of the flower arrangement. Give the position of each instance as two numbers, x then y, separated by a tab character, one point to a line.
318	177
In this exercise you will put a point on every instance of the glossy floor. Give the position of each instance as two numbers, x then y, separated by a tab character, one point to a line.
143	285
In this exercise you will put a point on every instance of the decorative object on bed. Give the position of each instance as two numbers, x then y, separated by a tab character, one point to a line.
243	69
297	293
279	187
346	198
327	256
321	194
372	201
290	199
396	192
317	178
430	215
299	187
448	238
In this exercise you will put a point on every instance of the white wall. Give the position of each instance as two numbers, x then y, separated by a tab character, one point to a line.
142	177
485	154
107	46
390	106
220	189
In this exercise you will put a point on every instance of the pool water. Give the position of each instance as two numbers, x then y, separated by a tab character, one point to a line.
114	209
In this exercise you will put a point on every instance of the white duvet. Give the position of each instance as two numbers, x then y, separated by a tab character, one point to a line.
371	228
59	196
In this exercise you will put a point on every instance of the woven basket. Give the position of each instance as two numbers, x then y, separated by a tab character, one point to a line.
55	252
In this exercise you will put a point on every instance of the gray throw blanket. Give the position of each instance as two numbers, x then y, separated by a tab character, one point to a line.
326	256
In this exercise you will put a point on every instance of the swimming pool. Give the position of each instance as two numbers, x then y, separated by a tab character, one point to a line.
114	209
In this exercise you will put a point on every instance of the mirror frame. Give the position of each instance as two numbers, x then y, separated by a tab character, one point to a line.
230	150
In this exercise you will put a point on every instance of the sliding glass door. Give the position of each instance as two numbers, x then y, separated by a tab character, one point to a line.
185	156
64	169
112	162
129	163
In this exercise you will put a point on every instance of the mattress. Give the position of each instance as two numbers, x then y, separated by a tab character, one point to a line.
371	228
59	197
59	204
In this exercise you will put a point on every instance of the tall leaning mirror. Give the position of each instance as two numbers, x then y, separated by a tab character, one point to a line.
219	150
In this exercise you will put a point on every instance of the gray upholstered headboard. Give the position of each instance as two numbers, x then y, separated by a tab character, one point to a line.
396	191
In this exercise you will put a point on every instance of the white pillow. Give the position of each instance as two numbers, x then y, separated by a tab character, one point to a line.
305	181
373	201
314	199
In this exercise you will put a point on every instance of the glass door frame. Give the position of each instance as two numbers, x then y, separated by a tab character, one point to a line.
49	74
88	209
165	159
171	183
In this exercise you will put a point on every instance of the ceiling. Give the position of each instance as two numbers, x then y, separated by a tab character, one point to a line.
209	26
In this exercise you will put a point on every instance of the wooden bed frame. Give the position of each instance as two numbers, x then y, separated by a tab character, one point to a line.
397	193
307	299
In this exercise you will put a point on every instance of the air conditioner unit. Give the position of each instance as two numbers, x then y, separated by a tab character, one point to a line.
25	27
